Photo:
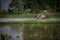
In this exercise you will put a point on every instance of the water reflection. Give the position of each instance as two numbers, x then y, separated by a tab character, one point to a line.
13	33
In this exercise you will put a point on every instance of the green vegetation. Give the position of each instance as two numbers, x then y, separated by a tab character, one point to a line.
3	37
38	30
34	5
41	32
26	15
24	23
18	15
30	8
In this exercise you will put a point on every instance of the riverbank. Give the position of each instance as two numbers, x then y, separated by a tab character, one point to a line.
57	15
32	30
24	23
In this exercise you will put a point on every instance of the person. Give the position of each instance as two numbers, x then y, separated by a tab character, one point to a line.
38	16
45	13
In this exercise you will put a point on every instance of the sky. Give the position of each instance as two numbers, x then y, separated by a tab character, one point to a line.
5	3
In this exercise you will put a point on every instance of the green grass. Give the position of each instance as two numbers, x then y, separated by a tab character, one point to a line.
37	30
24	23
17	15
26	16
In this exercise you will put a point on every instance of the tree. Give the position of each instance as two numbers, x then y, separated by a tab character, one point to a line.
16	5
12	6
34	5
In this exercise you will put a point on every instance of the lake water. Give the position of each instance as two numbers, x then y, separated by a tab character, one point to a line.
16	32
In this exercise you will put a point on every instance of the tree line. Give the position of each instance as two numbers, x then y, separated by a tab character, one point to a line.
33	6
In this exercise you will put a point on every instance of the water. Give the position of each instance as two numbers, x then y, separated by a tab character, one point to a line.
15	32
29	19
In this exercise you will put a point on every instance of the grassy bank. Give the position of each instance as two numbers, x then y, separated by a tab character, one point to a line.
26	15
38	30
17	15
24	23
